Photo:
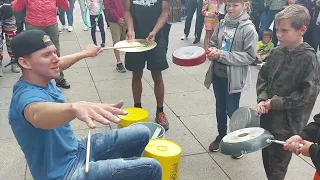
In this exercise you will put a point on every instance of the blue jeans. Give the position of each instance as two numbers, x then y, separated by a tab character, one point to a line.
266	20
226	103
69	14
115	155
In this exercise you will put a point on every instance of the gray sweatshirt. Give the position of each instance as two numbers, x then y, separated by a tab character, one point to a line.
242	53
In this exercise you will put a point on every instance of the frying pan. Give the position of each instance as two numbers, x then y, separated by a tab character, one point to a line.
189	56
244	117
247	140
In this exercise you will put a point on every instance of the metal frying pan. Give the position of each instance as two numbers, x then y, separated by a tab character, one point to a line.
244	117
246	140
189	56
135	45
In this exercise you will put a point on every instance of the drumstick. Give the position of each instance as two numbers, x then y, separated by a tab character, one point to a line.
88	153
110	48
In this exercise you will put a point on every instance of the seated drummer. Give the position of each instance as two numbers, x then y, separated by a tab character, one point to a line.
309	138
40	120
145	19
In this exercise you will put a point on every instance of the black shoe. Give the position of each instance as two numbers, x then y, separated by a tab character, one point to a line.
214	146
102	45
237	156
196	41
63	84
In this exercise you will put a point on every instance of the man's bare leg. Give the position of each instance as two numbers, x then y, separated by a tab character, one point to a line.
137	88
159	93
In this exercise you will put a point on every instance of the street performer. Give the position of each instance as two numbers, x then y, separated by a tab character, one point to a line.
40	120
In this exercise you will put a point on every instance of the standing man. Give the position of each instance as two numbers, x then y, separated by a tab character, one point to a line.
145	19
194	6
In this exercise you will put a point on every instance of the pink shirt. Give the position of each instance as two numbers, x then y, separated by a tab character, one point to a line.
94	6
40	12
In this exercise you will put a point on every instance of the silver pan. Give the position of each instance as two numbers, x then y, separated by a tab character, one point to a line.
244	117
246	140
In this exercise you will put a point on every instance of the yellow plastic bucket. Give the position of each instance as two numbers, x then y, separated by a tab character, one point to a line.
134	115
168	154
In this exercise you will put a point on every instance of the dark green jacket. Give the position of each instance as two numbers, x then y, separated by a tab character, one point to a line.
291	81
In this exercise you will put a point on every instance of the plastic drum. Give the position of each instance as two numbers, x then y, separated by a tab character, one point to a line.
189	56
134	115
168	154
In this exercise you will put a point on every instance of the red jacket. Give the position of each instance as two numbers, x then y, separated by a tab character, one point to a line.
40	12
114	9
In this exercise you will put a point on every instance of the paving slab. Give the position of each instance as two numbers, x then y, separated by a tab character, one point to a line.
5	97
81	91
13	163
5	128
191	103
200	167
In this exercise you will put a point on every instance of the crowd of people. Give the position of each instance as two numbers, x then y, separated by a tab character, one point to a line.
237	36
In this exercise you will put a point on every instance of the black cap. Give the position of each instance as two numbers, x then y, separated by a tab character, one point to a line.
28	42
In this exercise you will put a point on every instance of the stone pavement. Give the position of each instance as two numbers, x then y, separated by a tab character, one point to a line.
189	106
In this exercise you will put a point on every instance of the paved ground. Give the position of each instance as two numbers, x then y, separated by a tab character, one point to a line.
188	105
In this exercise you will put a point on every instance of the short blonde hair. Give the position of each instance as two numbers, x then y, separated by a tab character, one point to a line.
297	15
243	2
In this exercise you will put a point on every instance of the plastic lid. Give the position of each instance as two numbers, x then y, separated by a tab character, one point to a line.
134	114
163	148
189	52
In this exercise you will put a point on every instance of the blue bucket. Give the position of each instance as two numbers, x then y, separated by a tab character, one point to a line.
153	129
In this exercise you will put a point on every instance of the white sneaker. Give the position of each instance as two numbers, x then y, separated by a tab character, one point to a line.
70	28
184	37
86	28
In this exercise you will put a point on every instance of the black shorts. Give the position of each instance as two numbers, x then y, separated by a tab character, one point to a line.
156	60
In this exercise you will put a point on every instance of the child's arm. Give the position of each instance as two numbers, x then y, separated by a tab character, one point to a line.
19	5
63	4
305	93
247	55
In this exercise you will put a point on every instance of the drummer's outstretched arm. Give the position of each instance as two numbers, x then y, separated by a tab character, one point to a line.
68	60
127	15
163	16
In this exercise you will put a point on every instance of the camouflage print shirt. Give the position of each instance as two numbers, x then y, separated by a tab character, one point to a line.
291	81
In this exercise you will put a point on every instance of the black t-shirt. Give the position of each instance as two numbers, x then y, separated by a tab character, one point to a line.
145	14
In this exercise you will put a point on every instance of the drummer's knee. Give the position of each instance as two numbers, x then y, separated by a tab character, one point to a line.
157	76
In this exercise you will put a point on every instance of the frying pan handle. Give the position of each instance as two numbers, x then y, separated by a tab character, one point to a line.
282	142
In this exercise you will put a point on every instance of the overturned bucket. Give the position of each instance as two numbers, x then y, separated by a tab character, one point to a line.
134	115
168	154
156	130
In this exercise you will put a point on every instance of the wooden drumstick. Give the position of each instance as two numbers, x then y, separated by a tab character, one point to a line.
88	153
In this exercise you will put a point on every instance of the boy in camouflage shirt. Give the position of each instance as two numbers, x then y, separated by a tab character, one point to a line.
287	87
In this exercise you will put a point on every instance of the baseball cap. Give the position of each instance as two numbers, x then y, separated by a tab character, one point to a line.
28	42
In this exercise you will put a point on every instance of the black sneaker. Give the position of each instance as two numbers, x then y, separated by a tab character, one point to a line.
237	156
214	146
120	68
102	45
63	84
196	41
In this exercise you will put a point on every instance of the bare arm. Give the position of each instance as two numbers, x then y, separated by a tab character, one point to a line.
69	60
163	16
49	115
127	15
